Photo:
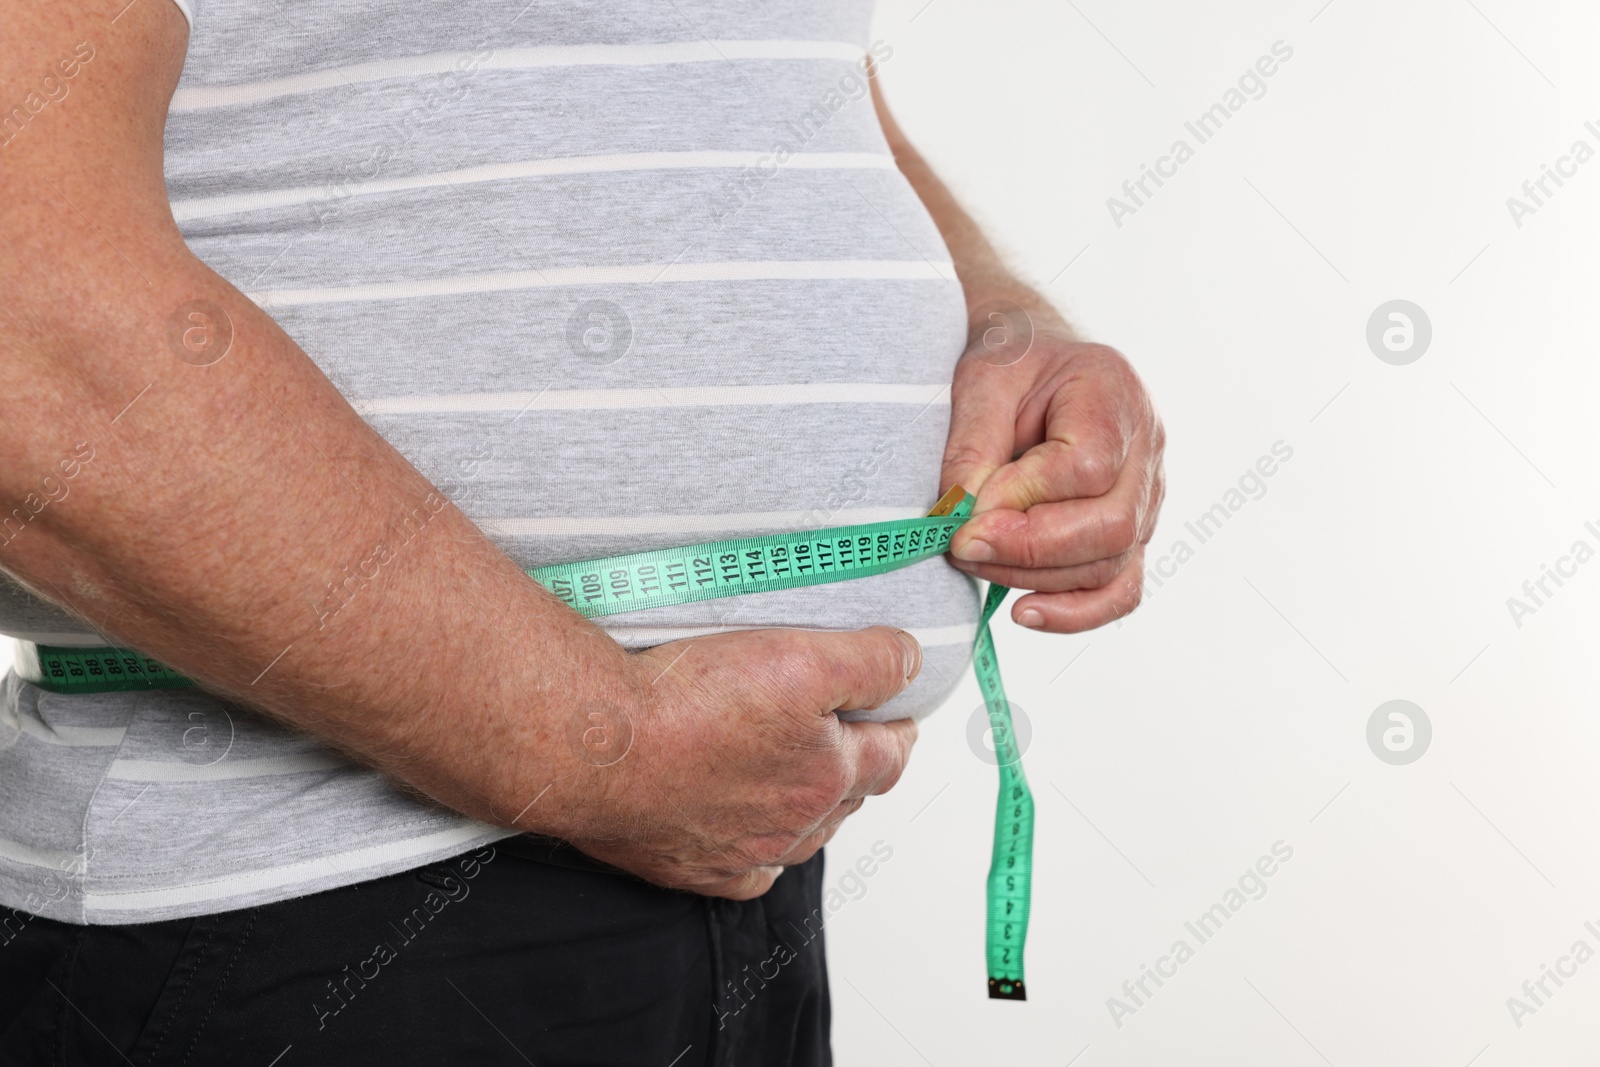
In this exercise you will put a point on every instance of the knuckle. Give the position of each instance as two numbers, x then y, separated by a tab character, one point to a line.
1029	549
1158	497
892	778
864	668
1119	530
764	851
1103	353
1094	471
1158	436
908	738
1101	572
693	879
960	455
875	668
806	659
801	668
1117	365
820	805
887	660
967	368
824	793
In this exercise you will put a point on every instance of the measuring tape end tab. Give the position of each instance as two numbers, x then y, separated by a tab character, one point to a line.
1007	989
947	503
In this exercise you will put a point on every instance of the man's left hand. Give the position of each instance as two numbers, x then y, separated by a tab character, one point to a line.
1062	447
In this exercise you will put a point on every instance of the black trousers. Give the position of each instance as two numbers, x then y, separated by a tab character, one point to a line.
523	952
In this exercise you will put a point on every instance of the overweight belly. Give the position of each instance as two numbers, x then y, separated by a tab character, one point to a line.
594	359
720	409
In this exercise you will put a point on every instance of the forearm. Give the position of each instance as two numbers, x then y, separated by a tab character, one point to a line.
983	273
242	524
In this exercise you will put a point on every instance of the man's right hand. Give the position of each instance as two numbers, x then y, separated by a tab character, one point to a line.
731	763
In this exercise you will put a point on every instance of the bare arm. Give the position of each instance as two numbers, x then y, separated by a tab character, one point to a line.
984	275
1056	436
221	499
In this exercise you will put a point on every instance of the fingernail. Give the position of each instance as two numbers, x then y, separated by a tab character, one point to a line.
1030	617
975	552
912	652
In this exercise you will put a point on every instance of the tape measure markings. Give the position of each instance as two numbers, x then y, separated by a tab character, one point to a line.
665	577
669	576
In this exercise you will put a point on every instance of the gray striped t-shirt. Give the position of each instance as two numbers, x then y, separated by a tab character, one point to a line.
615	275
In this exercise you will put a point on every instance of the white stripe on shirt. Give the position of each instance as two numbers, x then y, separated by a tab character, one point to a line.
69	736
138	770
196	98
17	852
621	274
669	396
724	522
643	636
209	206
305	871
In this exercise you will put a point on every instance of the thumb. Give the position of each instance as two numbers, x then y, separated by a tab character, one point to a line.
857	670
983	428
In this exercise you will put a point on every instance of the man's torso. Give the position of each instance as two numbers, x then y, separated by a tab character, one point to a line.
614	276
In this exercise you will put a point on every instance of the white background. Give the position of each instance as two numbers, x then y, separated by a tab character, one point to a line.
1230	712
1179	747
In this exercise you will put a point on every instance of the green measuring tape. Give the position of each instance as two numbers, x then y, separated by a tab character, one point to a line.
706	572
